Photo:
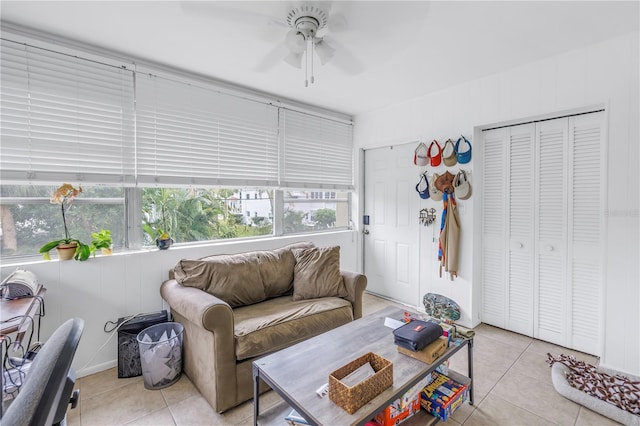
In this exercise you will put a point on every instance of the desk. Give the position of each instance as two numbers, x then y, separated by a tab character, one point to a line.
20	309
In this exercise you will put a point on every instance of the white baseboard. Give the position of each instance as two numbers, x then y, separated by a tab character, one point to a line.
96	368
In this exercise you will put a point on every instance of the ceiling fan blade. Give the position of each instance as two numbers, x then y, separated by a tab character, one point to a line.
337	23
324	50
295	41
272	58
344	58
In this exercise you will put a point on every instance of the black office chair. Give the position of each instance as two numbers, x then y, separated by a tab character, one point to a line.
47	388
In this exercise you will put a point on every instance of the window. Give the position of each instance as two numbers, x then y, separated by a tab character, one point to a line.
70	117
190	215
29	220
308	211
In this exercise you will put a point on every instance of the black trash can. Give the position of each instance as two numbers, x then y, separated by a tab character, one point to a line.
128	351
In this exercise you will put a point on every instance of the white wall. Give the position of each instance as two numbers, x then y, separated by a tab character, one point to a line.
106	288
602	74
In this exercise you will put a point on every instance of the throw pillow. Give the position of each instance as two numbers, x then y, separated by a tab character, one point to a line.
317	273
276	268
234	278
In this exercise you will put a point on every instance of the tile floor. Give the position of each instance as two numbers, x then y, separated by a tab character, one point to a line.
512	387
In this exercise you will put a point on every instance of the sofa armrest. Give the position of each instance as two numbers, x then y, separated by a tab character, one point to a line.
199	307
355	284
209	358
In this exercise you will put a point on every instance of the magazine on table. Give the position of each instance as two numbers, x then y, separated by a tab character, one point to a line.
293	418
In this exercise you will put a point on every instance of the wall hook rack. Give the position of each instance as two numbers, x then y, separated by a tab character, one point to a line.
427	216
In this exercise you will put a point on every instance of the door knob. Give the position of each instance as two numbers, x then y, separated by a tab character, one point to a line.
365	232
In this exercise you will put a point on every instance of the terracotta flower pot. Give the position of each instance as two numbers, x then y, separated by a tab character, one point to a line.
66	251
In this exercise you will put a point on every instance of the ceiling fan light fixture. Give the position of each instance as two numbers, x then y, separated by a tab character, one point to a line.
325	51
295	41
294	59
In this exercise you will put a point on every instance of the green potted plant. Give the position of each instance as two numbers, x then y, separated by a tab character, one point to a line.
68	248
102	240
161	238
164	241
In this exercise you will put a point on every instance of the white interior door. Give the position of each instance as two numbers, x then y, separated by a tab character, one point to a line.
391	240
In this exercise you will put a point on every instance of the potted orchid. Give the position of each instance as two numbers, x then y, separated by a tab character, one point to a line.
67	247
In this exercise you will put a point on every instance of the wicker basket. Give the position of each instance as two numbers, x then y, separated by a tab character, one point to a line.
352	398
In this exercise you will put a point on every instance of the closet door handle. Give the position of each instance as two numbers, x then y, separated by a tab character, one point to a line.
548	247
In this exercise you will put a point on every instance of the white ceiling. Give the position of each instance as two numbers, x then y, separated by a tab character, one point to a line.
390	51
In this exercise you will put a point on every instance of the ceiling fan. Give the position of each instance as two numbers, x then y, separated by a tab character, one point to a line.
311	26
302	40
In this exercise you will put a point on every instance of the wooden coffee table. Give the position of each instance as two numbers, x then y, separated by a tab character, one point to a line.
296	372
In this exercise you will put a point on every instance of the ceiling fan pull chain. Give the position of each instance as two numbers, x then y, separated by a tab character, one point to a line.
311	57
306	67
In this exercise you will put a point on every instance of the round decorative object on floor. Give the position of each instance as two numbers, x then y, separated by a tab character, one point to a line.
441	307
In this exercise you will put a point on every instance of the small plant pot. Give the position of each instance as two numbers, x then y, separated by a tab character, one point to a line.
106	251
164	244
66	251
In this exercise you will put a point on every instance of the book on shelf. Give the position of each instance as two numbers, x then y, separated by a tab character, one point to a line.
295	419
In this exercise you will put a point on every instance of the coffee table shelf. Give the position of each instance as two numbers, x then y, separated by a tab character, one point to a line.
296	372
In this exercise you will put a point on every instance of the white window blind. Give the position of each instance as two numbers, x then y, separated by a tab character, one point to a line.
190	135
317	152
64	118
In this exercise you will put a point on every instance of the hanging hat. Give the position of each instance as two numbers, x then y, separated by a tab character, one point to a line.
435	194
449	159
461	186
436	159
423	187
420	155
463	157
444	183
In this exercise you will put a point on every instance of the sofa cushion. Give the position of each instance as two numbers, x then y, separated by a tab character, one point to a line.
280	322
233	278
317	273
276	268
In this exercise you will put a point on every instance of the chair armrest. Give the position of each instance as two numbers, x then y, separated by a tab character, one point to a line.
199	307
355	284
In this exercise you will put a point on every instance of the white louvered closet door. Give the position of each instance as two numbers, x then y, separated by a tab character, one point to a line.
550	231
494	283
586	231
519	223
542	260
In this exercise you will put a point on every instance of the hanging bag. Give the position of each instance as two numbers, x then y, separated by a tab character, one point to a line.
436	159
463	157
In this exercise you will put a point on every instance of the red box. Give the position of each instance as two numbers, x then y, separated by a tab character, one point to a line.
397	412
442	397
402	408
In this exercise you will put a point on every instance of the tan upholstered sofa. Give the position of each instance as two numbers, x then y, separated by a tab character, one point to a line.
235	308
